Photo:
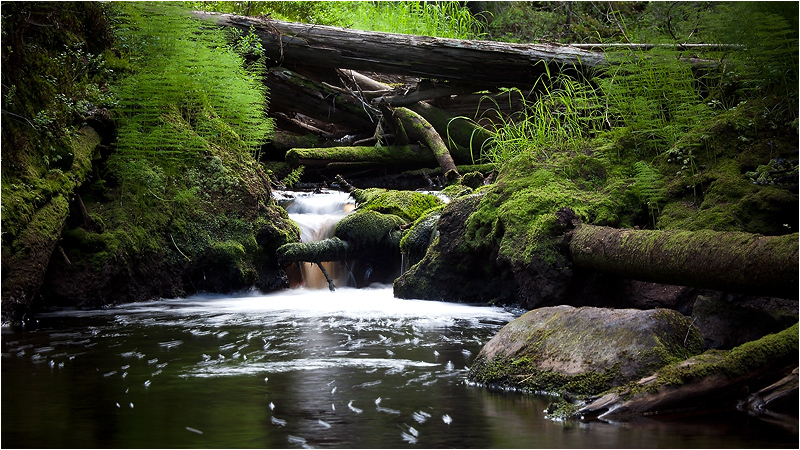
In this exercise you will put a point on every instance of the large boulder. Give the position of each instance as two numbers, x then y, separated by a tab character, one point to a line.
451	271
584	351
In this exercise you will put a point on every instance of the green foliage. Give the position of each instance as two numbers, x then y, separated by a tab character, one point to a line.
565	113
518	213
440	19
409	205
649	187
652	96
189	92
293	177
183	185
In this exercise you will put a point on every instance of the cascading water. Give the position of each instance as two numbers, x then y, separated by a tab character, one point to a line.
317	215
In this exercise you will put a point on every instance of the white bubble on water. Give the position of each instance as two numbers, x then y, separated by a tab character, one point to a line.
279	422
354	409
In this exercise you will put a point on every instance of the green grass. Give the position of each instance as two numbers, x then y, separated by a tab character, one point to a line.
438	19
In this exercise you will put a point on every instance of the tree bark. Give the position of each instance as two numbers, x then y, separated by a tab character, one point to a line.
492	63
421	130
729	261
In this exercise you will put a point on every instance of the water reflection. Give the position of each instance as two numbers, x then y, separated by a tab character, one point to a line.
352	368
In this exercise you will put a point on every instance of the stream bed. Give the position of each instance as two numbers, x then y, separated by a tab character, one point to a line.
296	369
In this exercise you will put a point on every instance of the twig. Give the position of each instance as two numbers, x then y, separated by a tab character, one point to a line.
327	277
176	248
687	331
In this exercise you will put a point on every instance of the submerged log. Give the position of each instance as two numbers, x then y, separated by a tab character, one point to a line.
492	63
727	261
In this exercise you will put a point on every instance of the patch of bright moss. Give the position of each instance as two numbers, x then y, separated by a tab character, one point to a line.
517	214
522	373
409	205
367	229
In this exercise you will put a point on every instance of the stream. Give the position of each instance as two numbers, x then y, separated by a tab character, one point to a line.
300	368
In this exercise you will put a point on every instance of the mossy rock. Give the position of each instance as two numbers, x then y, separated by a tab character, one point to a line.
417	239
457	190
585	350
450	270
370	229
409	205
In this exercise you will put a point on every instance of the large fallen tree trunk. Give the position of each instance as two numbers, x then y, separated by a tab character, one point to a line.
729	261
483	62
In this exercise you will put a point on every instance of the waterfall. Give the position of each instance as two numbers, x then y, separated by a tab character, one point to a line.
317	215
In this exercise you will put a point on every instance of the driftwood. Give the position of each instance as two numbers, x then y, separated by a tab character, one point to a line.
729	261
481	62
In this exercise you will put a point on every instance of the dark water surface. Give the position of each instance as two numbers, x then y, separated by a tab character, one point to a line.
300	368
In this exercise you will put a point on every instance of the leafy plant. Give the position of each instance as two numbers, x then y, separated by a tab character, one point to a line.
190	91
653	96
649	187
565	112
293	177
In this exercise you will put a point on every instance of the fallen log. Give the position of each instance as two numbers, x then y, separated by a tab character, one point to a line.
491	63
726	261
421	130
405	155
711	380
292	92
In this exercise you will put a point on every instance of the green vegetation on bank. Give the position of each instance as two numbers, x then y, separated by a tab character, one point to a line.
440	19
175	195
191	119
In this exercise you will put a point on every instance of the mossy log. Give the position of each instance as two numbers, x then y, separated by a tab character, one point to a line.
332	249
356	235
406	155
711	380
465	138
419	129
727	261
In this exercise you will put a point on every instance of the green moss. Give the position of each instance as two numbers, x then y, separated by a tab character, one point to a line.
409	205
517	214
226	252
770	351
369	229
522	373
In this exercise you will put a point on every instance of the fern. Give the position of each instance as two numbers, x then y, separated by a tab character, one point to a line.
190	91
649	188
293	177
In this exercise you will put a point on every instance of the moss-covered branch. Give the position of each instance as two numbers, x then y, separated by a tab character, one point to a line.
419	129
412	155
728	261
